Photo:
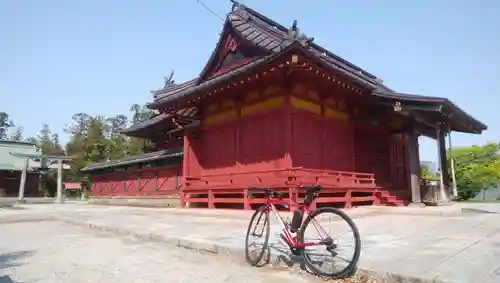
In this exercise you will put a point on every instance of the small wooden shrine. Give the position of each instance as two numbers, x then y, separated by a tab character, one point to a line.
272	108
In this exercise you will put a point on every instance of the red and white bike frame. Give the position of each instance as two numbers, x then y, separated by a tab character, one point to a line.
285	229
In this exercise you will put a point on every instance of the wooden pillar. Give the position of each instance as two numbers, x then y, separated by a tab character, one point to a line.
139	181
348	199
288	127
442	157
292	197
125	181
443	196
182	199
59	198
185	172
246	201
22	183
414	164
237	105
452	165
211	199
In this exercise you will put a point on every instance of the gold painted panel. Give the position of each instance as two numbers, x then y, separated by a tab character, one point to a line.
331	113
305	105
252	95
299	89
265	105
228	104
313	95
212	108
273	90
226	116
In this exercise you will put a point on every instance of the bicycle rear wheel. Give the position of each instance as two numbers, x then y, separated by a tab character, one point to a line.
332	247
259	227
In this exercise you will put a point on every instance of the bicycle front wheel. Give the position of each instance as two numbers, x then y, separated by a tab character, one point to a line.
260	228
314	226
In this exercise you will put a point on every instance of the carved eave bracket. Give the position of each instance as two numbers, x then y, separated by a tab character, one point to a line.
398	107
293	35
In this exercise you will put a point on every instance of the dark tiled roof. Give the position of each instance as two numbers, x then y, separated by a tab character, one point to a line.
457	112
214	80
170	89
267	35
146	124
134	159
164	119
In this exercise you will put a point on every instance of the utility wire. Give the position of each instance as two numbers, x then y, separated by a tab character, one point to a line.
210	10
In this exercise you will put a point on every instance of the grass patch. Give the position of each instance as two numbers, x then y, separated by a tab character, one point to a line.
480	201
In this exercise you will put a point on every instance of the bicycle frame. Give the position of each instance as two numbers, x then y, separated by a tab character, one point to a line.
291	240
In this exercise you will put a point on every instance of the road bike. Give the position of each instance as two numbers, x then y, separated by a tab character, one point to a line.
293	233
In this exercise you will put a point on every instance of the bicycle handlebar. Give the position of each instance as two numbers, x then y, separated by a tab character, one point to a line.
267	190
311	189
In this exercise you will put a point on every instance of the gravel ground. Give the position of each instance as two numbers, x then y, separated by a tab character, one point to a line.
56	252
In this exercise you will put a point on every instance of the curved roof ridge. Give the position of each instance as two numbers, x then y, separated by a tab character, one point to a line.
172	89
277	31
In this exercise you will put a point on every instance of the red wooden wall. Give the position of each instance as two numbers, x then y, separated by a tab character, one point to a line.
240	137
10	180
152	181
253	135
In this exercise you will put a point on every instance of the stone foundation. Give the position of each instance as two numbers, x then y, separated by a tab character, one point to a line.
172	201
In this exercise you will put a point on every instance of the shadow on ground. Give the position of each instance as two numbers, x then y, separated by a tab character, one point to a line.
10	260
279	255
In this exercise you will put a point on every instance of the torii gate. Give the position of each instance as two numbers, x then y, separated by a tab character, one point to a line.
53	159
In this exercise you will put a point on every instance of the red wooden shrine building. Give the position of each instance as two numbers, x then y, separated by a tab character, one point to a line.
271	108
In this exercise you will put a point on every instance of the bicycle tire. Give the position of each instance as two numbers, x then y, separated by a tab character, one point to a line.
265	213
350	269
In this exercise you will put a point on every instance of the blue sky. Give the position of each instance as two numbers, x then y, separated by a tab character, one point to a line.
59	57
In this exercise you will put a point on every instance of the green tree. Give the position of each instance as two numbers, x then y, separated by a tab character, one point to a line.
32	140
17	135
476	167
44	139
139	114
5	124
425	172
96	142
56	143
118	143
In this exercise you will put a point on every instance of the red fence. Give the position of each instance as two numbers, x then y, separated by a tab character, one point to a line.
153	181
229	190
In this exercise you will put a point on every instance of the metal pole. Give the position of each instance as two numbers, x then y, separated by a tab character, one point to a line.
452	163
498	191
22	183
59	181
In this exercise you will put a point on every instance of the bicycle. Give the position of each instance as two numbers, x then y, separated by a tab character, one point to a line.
297	244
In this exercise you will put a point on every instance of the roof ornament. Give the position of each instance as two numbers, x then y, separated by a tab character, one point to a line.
238	9
294	34
169	80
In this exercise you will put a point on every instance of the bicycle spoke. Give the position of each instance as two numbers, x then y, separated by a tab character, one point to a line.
258	229
333	258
